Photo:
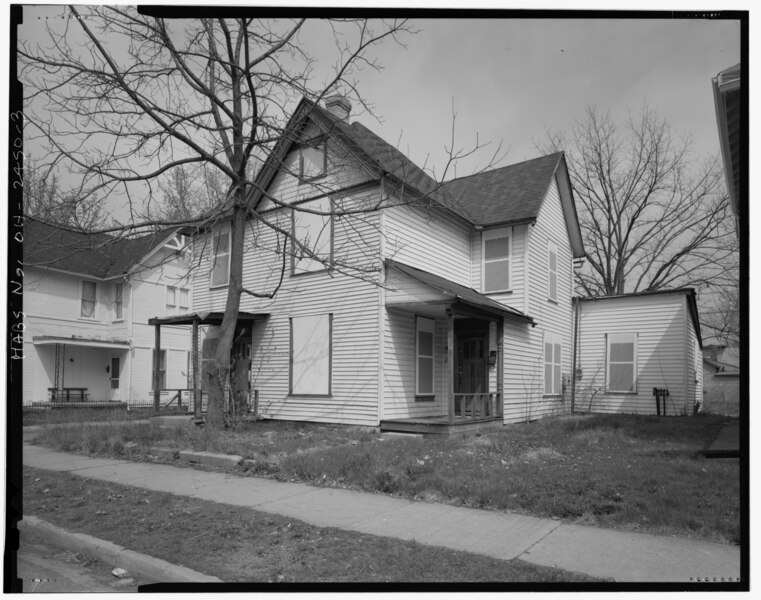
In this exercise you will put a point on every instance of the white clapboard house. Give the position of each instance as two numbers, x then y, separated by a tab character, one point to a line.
428	306
87	301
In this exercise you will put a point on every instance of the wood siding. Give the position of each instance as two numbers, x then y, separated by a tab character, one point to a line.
524	397
665	353
429	239
348	292
52	306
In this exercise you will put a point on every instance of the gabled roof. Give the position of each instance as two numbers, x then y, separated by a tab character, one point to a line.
508	195
457	292
98	255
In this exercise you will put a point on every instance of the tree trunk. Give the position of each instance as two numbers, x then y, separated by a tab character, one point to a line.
220	375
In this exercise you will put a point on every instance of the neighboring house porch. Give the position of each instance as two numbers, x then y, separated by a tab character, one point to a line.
79	369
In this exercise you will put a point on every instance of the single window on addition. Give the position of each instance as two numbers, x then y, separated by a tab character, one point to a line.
622	362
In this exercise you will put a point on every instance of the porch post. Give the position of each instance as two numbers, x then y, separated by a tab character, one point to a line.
450	362
196	380
500	368
156	378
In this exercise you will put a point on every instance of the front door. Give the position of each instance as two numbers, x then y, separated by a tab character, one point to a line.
114	374
472	364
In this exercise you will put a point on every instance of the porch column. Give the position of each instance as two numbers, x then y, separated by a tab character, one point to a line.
196	375
499	408
156	378
450	362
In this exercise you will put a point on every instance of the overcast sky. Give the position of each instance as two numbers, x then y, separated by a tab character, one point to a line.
512	79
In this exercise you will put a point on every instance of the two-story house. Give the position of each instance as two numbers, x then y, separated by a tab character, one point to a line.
399	302
87	302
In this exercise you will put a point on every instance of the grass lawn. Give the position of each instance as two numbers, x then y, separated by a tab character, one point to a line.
623	471
238	544
53	416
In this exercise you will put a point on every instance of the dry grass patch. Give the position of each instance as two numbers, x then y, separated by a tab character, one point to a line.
633	472
242	545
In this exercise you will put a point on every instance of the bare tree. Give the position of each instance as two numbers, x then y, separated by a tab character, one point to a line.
120	98
651	216
186	195
720	319
44	199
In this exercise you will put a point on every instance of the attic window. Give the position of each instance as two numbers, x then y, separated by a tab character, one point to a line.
552	259
313	159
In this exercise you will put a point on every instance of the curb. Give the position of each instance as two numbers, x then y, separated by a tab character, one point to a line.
148	568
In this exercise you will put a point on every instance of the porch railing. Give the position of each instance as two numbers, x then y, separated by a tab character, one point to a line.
478	406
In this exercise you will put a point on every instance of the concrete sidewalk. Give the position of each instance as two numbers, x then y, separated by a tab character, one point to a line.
622	556
726	444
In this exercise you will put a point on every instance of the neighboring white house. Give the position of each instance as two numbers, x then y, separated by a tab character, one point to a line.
627	345
721	379
87	301
402	303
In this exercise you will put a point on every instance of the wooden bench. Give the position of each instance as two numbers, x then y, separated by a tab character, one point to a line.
66	394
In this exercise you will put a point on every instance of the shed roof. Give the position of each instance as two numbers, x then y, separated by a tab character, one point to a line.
465	295
689	293
99	255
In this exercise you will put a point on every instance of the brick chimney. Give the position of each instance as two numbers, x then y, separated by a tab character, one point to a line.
339	107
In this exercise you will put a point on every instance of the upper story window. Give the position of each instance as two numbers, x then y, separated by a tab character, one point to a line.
171	297
118	301
497	260
552	260
622	362
89	291
176	298
220	269
312	242
313	159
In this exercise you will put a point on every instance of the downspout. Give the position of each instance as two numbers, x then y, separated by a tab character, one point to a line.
381	308
576	308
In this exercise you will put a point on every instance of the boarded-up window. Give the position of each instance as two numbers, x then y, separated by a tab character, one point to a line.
311	348
220	268
313	159
312	243
88	299
622	362
496	261
552	365
424	344
552	284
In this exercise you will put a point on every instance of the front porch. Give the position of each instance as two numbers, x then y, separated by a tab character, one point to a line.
446	372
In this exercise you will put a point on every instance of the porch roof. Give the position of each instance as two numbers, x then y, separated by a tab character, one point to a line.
204	318
42	340
459	294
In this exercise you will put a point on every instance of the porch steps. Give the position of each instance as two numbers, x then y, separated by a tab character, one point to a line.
439	426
